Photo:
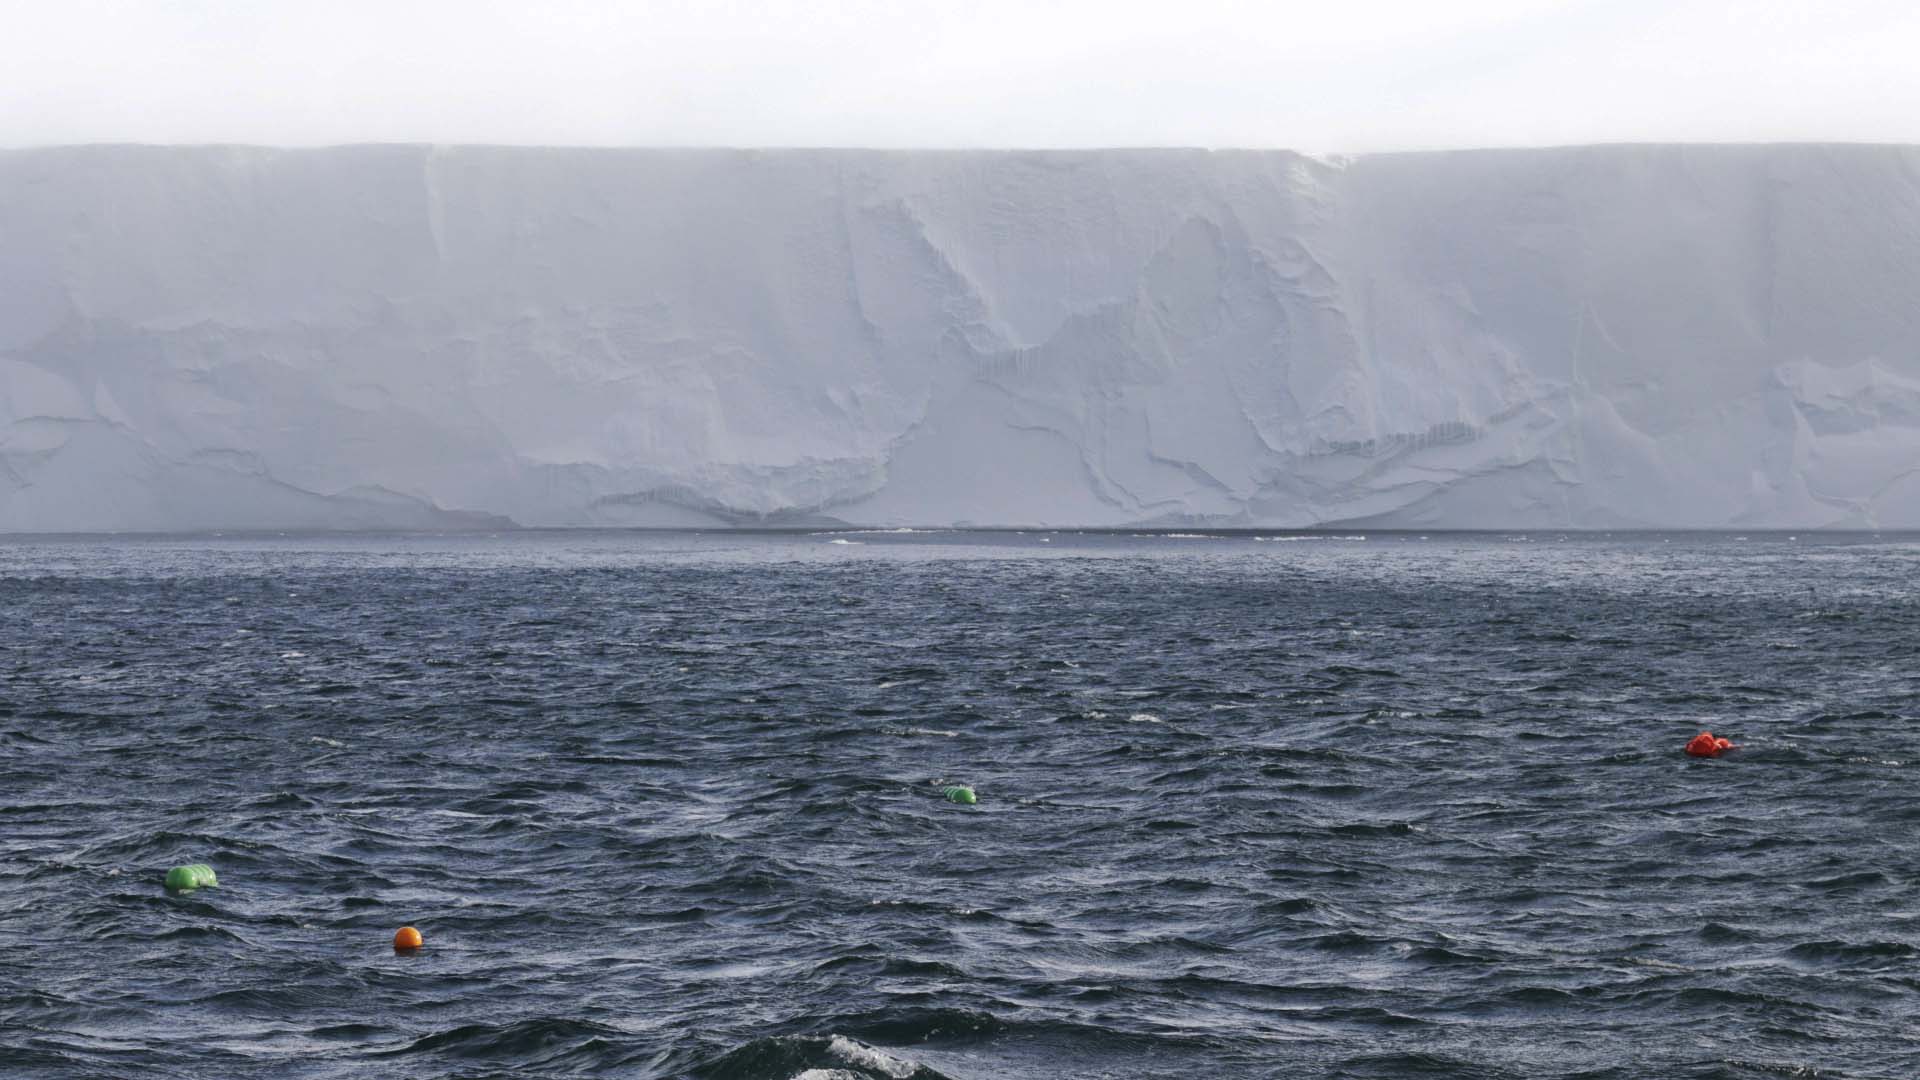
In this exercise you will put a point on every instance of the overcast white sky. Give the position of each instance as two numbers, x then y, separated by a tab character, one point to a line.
1338	75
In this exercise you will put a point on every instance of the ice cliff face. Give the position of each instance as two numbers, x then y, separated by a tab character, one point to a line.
412	336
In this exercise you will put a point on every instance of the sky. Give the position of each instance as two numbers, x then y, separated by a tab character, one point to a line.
1339	76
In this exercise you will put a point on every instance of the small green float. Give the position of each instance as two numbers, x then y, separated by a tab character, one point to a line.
190	877
960	793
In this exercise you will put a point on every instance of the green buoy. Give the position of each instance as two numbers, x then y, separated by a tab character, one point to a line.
190	877
960	793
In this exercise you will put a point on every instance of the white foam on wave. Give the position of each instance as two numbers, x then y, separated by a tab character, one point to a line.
867	1057
1143	718
848	543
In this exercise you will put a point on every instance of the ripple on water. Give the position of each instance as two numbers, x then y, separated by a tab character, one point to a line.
668	806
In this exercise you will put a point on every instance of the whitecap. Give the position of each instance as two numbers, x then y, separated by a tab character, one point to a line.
867	1057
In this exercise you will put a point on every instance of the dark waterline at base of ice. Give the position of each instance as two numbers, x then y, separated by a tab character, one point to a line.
1380	806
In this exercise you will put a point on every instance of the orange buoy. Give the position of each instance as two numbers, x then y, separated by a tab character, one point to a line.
406	939
1706	744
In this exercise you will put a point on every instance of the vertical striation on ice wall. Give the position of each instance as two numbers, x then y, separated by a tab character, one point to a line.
394	336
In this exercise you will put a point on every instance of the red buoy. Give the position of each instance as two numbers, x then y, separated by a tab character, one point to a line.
1706	744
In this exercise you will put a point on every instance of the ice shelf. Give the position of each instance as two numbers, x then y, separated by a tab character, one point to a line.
412	336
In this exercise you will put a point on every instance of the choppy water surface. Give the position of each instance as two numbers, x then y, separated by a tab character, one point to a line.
668	805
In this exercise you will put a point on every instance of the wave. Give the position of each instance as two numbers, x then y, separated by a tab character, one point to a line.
546	1042
813	1057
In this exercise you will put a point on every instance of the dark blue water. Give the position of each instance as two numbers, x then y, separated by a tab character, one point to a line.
669	805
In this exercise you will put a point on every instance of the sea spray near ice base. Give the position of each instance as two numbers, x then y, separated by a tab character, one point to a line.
219	337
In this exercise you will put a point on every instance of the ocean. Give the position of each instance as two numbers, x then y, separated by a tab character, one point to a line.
1367	805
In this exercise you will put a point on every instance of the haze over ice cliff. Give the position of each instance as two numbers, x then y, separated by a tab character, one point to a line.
218	337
